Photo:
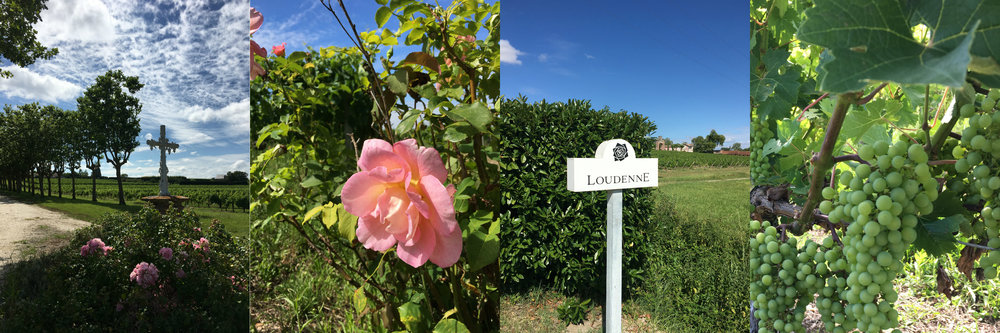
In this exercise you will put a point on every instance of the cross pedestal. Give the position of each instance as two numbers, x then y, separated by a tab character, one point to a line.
162	201
615	168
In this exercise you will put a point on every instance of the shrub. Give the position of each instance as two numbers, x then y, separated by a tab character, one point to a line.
133	287
551	237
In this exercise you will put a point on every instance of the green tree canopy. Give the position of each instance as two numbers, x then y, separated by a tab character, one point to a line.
111	112
18	43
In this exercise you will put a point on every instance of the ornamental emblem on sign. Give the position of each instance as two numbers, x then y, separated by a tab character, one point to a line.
620	152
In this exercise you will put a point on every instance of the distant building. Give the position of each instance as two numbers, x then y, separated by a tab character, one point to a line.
219	177
661	144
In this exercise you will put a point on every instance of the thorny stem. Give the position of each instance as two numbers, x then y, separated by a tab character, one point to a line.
824	162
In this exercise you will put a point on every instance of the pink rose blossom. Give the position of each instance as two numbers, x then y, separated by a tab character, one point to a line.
144	274
278	50
167	253
256	19
95	247
201	244
399	197
198	229
119	307
180	273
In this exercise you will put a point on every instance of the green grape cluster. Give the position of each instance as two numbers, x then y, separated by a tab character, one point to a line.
759	135
978	156
787	277
881	203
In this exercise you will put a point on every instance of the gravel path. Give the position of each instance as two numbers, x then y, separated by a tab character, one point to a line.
20	222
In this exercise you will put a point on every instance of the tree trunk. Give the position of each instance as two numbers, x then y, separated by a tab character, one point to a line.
49	178
72	177
121	192
93	185
59	183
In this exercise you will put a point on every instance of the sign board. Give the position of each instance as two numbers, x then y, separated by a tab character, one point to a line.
615	167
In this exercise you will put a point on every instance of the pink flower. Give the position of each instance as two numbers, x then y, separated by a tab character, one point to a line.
256	19
180	273
144	274
95	246
201	244
278	50
119	307
167	253
400	197
198	229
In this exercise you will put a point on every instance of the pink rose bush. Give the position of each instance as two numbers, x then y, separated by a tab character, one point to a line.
201	244
256	19
144	274
167	253
95	247
400	198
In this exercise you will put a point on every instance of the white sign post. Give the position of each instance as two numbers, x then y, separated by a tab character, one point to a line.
613	169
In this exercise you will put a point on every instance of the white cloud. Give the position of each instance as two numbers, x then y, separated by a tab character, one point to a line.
33	86
75	20
543	57
589	56
191	167
149	136
508	53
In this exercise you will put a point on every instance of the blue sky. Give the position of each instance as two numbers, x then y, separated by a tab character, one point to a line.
683	66
191	55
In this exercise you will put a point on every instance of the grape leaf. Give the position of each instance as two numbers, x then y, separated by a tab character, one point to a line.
786	91
762	85
872	41
956	19
935	236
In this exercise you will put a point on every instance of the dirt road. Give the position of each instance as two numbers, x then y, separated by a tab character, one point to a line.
20	223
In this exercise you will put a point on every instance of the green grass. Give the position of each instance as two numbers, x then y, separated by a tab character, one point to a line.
237	223
698	276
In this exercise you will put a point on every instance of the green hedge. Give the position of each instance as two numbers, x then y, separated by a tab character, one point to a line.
550	237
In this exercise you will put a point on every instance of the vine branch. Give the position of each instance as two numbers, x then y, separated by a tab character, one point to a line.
824	161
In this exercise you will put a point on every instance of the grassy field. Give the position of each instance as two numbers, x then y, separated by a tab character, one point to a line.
237	223
697	279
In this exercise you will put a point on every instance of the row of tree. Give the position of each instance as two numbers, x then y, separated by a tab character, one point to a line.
704	144
39	141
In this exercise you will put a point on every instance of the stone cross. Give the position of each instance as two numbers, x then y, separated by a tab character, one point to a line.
615	168
165	147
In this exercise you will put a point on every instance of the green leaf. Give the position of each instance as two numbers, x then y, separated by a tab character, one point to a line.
347	223
382	16
936	237
482	244
311	182
457	132
786	93
398	82
477	114
312	212
873	41
409	119
957	18
412	317
360	301
296	56
449	325
329	215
